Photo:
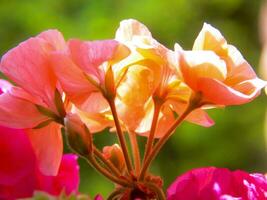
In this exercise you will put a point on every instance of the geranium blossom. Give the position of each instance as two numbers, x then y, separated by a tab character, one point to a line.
218	184
153	74
218	71
32	102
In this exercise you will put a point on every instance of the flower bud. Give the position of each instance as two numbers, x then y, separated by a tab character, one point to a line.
110	84
115	156
78	135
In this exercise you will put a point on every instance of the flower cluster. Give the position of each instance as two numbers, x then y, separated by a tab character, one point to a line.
131	84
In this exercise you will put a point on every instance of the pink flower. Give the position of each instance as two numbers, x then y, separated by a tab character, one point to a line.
19	173
28	66
19	170
218	184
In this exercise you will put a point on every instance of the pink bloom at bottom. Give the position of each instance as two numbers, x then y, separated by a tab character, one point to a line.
19	173
218	184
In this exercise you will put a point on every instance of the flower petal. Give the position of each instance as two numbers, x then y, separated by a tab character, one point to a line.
54	38
71	78
4	86
48	147
90	55
19	113
17	157
210	38
28	65
130	28
218	93
67	178
202	64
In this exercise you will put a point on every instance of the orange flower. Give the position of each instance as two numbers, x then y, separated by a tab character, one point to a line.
33	103
218	71
153	74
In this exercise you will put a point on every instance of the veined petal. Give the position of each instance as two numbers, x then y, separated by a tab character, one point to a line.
71	78
28	65
48	147
137	86
18	113
130	28
54	38
210	38
90	55
218	93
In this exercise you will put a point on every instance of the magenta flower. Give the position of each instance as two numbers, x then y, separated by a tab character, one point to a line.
218	184
19	172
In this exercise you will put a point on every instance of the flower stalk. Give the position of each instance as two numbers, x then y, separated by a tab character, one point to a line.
120	135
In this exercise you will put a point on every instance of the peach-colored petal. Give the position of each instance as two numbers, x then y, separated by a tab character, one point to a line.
95	103
166	119
96	122
130	28
48	147
133	93
238	68
28	66
71	78
198	116
95	112
202	64
218	93
16	112
210	38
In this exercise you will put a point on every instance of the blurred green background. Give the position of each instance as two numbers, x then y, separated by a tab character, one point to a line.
237	139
